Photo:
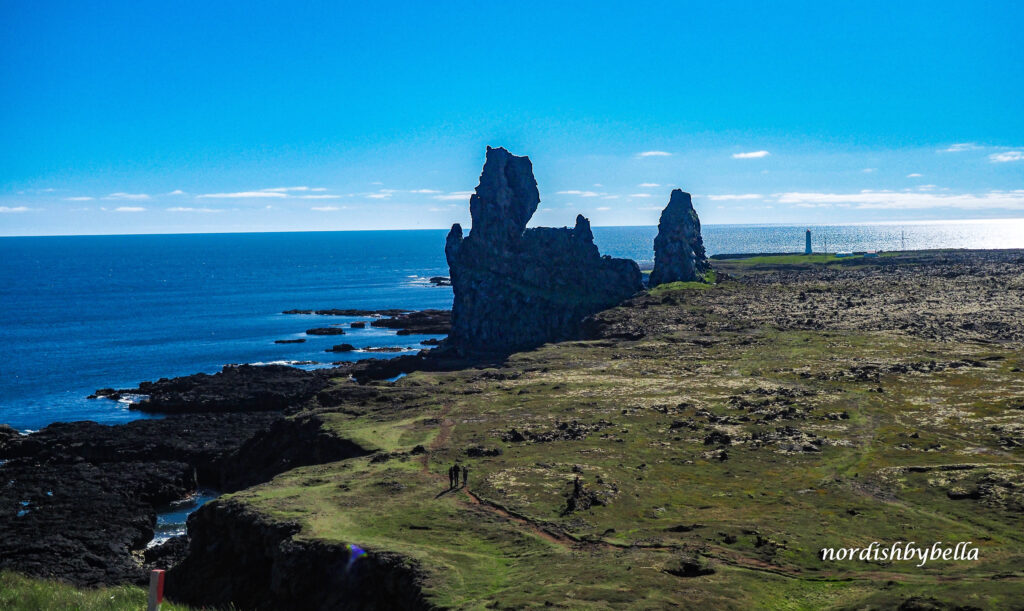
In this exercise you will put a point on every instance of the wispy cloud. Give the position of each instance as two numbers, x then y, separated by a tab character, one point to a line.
128	196
190	209
648	185
602	208
914	175
273	192
639	194
177	192
908	200
734	196
751	155
82	198
960	147
453	195
14	209
424	191
654	154
243	195
1006	156
580	193
325	208
129	209
869	170
385	195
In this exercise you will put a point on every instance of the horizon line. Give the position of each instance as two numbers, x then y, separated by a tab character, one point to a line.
779	224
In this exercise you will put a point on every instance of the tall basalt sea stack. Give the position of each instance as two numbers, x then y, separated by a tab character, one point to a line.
678	249
517	288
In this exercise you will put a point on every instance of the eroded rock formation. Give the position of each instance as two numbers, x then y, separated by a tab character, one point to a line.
678	249
517	288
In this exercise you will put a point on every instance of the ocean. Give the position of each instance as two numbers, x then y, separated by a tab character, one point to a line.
85	312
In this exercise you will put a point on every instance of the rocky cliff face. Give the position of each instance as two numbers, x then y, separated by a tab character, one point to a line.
678	249
517	288
243	559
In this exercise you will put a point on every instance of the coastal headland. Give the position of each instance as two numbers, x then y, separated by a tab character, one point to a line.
695	444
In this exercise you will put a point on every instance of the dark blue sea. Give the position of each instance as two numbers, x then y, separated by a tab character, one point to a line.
85	312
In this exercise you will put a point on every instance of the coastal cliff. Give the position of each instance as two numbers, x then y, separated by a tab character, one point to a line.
517	288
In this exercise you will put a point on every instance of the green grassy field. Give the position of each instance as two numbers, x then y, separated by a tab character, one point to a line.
744	451
20	593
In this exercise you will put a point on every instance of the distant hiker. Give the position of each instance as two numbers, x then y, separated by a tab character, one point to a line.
465	476
455	470
451	477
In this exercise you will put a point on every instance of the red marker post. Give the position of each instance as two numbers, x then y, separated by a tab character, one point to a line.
156	590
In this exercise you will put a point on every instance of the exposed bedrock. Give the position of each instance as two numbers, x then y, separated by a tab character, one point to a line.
79	498
517	288
678	249
236	388
241	558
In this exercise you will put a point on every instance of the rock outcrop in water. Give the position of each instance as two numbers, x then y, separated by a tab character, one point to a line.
678	249
517	288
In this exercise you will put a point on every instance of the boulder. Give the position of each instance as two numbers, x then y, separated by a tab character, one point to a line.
516	288
678	249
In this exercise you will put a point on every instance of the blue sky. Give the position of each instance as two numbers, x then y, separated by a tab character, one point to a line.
139	117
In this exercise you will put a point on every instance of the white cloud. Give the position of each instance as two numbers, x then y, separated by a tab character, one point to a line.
128	196
654	154
189	209
907	200
129	209
14	209
603	208
579	193
424	191
378	195
639	194
961	147
914	175
285	189
318	196
243	194
325	208
318	189
1006	156
177	192
751	155
648	185
453	195
609	197
83	198
869	170
734	196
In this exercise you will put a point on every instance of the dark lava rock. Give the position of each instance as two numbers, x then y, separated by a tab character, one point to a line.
240	558
441	281
690	567
326	331
517	288
80	521
480	451
359	324
341	348
678	249
427	322
169	553
290	341
236	388
433	341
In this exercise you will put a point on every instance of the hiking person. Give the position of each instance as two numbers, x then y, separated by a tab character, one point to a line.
455	469
465	476
451	477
